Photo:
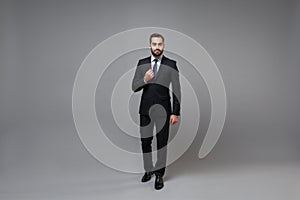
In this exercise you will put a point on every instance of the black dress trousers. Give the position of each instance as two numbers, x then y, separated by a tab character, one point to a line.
161	123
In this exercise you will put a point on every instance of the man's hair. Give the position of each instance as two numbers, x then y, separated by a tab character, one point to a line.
156	35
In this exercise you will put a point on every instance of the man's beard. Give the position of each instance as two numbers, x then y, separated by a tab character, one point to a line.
156	54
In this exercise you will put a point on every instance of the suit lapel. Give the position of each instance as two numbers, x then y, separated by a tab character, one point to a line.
149	62
161	67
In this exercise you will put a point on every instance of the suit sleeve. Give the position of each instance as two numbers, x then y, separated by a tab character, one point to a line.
138	79
176	91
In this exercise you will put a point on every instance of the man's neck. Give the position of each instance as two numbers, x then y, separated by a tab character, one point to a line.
156	57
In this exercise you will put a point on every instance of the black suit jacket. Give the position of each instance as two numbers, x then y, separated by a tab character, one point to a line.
156	91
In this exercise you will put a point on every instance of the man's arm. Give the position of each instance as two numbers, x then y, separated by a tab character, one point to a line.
138	80
176	91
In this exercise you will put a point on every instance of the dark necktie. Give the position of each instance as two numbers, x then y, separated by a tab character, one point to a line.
155	67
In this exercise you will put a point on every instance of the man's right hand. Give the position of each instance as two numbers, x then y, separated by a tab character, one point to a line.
149	75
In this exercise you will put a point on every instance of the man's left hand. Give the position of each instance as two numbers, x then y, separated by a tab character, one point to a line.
173	119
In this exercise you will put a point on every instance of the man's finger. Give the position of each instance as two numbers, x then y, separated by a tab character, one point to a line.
171	121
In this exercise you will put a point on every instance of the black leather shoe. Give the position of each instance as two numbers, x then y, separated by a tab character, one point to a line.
159	182
147	176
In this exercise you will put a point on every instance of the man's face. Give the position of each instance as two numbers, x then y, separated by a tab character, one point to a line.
157	46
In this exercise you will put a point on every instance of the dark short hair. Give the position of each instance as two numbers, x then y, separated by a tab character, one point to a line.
156	35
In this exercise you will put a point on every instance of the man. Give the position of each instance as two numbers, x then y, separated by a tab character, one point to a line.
153	76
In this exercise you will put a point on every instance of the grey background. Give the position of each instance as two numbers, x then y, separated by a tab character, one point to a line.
255	44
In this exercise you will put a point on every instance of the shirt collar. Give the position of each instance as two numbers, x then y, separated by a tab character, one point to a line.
159	59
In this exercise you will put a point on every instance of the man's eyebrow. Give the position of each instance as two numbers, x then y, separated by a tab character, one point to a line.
156	42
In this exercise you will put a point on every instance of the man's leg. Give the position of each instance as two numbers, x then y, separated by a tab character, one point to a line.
146	130
162	126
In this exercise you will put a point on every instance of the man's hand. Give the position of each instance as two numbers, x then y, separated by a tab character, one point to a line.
173	119
149	75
